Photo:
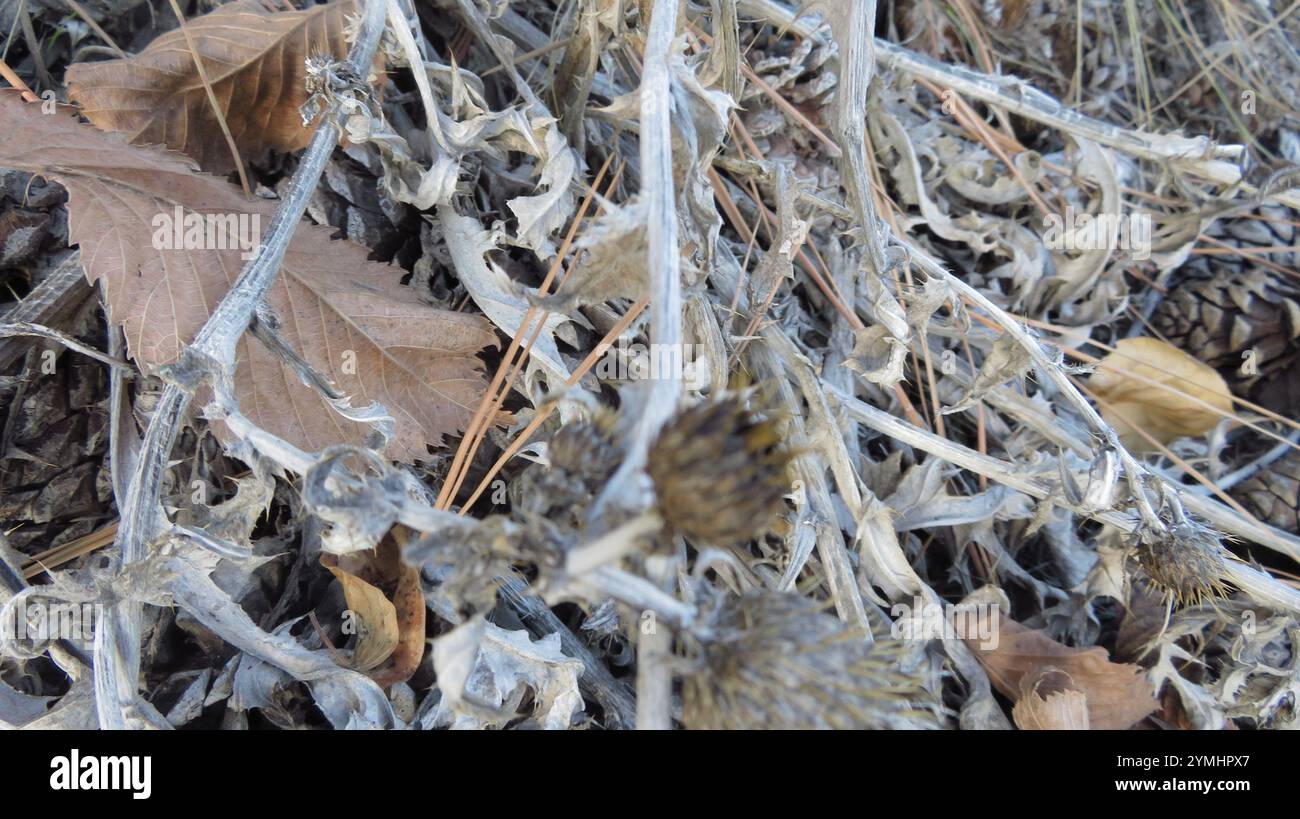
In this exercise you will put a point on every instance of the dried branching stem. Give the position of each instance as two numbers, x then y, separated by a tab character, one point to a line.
211	355
654	675
1197	155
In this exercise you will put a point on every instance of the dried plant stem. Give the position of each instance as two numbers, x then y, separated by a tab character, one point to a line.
58	296
830	541
17	82
654	675
212	354
1258	585
614	544
1197	155
73	549
11	329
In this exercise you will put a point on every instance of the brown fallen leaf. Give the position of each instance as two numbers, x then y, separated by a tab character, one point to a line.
384	594
255	59
408	600
1131	402
1117	695
350	318
372	615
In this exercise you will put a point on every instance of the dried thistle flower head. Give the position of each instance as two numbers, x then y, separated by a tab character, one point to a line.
719	471
1185	562
586	449
778	660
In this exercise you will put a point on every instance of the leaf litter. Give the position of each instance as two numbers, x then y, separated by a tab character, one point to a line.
417	447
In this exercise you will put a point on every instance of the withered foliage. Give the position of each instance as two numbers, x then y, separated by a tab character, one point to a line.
617	364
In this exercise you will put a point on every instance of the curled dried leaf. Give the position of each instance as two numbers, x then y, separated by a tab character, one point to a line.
387	605
1050	702
1117	695
372	614
1151	385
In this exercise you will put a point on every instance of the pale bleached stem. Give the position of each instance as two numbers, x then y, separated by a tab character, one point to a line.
654	672
210	355
1200	155
1259	586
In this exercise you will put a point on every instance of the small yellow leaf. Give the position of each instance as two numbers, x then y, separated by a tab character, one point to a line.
1127	385
377	636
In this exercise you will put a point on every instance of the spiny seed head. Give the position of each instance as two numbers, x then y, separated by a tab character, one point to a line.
585	449
1185	562
719	472
777	660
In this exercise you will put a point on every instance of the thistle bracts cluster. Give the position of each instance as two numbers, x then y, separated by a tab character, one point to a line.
777	660
720	471
586	449
1185	561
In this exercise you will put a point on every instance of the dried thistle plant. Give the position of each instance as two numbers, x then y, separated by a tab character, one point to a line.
586	449
720	471
776	660
729	210
1185	562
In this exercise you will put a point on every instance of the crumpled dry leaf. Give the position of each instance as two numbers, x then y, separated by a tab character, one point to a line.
615	263
404	177
880	349
1129	402
390	642
1262	681
542	214
921	307
346	316
1118	695
484	672
255	59
699	128
970	228
976	174
1007	360
501	299
777	264
593	27
233	521
374	615
1200	709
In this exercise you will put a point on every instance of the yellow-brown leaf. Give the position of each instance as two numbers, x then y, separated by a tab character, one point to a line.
376	619
1129	400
